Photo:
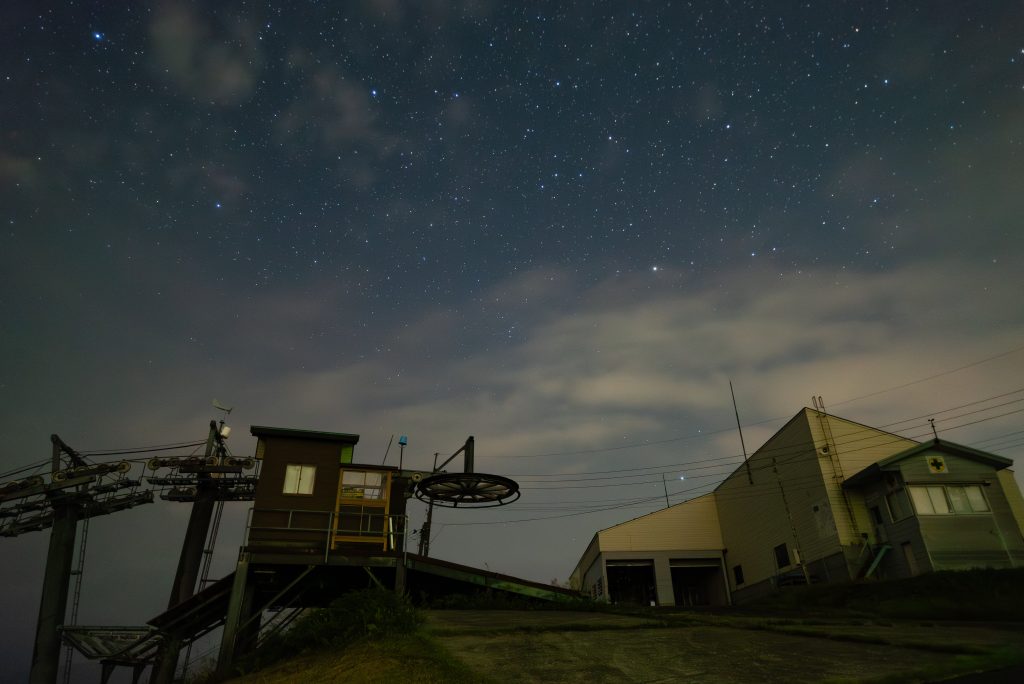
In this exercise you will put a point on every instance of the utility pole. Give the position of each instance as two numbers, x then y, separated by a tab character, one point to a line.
665	485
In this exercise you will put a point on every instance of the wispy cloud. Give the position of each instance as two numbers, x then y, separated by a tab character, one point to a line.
214	62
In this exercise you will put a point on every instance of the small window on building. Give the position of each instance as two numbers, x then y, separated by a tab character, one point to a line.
356	484
967	499
949	499
899	505
929	500
737	573
976	499
781	555
298	479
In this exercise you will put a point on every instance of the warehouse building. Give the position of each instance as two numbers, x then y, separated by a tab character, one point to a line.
823	500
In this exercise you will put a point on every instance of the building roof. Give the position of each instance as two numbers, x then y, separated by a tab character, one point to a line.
341	437
892	462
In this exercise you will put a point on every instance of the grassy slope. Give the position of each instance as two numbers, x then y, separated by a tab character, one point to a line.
408	657
984	595
837	625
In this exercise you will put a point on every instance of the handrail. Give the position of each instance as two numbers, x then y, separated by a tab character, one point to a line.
387	534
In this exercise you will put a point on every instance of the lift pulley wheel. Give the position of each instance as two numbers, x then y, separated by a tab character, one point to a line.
467	490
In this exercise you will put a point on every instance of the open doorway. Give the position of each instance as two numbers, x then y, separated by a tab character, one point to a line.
632	581
697	584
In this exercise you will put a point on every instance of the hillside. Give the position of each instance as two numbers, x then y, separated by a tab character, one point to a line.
929	628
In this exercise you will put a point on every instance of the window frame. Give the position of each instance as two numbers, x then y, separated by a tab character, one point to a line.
357	491
303	469
924	496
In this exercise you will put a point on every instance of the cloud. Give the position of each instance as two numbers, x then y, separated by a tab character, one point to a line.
336	115
592	371
216	63
17	169
595	367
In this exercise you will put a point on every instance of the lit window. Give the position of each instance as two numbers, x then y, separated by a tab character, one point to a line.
976	499
944	500
298	479
929	500
357	484
958	499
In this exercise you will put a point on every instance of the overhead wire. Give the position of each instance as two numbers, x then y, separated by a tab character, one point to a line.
142	450
638	445
932	377
779	461
844	442
31	466
776	462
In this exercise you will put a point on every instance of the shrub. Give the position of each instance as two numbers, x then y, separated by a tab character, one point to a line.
351	618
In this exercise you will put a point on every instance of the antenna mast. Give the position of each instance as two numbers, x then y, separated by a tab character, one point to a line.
750	478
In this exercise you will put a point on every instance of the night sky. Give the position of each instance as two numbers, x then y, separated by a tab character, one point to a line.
560	227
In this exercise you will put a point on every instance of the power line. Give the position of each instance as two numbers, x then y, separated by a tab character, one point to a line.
867	431
624	470
932	377
727	495
22	469
701	434
142	450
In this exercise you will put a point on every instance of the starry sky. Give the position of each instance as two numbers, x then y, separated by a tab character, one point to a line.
560	227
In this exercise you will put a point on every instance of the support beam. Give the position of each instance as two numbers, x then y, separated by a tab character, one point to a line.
198	527
189	562
237	614
191	557
54	602
166	660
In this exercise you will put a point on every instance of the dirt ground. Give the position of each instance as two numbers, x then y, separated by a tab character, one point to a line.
528	646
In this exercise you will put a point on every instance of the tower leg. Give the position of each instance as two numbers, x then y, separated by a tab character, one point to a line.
239	608
54	602
166	660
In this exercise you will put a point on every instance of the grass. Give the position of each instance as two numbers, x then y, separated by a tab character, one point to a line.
373	662
972	595
961	665
877	633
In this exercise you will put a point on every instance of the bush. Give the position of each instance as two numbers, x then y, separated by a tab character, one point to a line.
355	616
372	613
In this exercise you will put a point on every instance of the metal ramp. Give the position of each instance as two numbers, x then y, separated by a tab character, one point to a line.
139	647
427	573
198	614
